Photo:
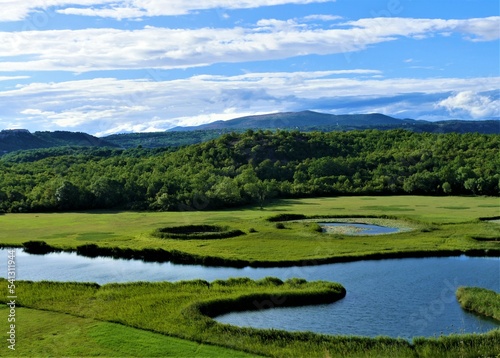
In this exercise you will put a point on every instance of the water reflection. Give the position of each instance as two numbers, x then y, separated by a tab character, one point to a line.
395	297
359	229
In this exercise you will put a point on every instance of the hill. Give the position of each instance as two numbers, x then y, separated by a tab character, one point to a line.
309	121
22	139
306	121
299	120
242	168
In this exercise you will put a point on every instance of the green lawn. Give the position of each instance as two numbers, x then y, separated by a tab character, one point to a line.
441	223
176	309
52	334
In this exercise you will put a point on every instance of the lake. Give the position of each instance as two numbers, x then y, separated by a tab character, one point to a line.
393	297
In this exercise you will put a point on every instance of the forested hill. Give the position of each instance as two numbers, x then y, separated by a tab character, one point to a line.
22	139
300	120
309	120
251	167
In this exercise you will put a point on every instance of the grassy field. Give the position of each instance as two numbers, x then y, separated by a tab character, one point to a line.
130	320
162	319
177	309
479	300
53	334
440	223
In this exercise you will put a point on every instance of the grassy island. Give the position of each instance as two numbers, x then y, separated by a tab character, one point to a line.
480	301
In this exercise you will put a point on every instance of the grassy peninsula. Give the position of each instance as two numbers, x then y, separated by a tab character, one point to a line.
480	301
114	317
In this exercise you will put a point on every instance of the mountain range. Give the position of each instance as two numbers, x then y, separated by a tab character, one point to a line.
309	120
22	139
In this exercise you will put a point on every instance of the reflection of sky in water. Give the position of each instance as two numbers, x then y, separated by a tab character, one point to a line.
359	229
396	297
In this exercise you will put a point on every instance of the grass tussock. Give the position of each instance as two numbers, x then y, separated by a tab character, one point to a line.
197	232
480	301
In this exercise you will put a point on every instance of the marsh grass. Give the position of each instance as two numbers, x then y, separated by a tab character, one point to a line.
440	231
459	345
480	301
156	313
52	334
197	232
176	309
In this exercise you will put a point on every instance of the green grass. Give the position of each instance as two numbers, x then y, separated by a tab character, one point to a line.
141	319
156	312
438	229
459	345
181	309
53	334
479	300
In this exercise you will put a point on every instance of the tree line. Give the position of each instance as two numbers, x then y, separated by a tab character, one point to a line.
250	168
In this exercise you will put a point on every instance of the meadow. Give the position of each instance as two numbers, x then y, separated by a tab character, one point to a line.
51	334
98	319
442	225
175	319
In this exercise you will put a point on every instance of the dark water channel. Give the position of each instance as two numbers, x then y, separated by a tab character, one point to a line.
394	297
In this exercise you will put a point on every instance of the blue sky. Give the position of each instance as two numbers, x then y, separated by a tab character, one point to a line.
113	66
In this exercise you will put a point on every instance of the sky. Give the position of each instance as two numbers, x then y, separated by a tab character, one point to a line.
119	66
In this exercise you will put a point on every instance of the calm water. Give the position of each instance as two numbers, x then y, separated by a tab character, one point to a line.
396	297
365	229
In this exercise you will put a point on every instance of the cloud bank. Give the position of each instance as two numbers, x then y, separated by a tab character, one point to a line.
107	105
131	9
99	49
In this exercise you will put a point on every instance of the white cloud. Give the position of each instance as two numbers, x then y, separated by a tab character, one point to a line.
18	10
322	17
472	103
108	105
130	9
97	49
13	78
477	29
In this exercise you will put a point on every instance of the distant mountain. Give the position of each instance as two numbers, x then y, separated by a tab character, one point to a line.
22	139
300	120
309	120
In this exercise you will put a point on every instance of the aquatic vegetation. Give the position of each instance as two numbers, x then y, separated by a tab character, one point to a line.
480	301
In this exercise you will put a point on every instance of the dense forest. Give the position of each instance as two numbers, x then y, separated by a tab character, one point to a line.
250	167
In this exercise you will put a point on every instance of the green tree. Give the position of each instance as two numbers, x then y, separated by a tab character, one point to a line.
67	196
107	193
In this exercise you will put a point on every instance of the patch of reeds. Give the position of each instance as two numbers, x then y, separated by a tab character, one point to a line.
197	232
480	301
183	310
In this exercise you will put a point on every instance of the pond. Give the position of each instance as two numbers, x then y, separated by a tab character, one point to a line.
394	297
358	228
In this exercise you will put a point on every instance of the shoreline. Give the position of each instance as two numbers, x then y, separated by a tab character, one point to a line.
178	257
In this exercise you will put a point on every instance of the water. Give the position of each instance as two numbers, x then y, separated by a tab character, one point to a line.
395	297
363	229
